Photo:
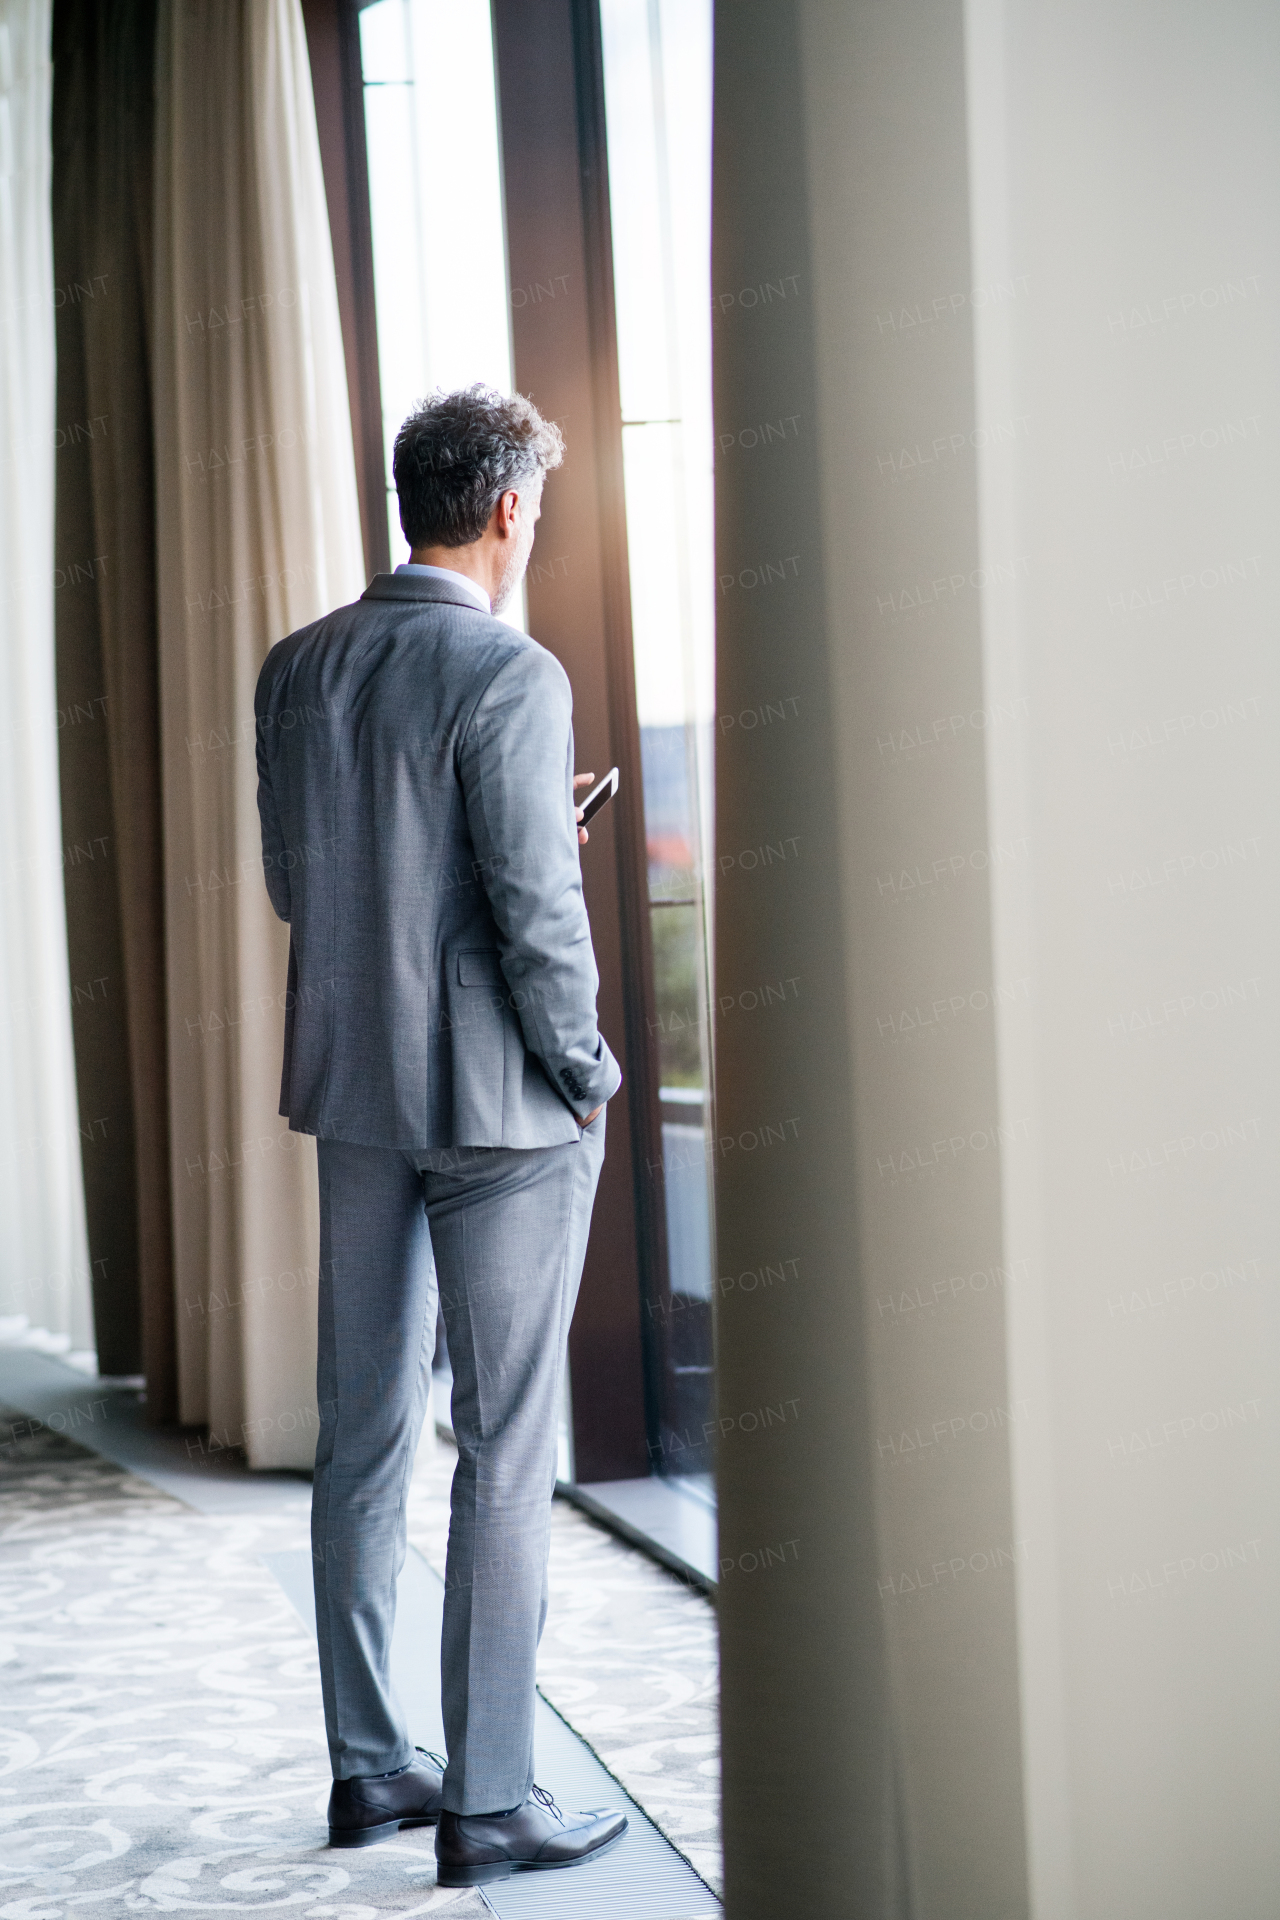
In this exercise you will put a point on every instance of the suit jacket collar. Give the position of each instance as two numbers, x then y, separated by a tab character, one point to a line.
418	586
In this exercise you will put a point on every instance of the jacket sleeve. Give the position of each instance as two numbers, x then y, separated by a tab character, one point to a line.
516	766
274	869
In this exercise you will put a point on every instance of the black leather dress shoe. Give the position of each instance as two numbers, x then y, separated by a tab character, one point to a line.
472	1848
362	1812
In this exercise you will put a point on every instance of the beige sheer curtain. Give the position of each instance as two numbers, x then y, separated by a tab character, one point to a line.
44	1258
258	534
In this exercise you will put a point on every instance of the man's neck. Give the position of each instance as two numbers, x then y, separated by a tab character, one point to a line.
470	561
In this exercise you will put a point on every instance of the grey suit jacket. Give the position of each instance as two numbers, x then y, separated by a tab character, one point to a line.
415	782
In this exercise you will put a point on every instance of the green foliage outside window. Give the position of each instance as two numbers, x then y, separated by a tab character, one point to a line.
675	974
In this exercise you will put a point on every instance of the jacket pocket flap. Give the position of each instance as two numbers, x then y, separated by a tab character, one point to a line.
479	967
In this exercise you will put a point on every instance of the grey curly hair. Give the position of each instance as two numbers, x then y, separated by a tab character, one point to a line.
458	452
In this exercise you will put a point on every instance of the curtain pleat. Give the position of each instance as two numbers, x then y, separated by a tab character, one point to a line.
259	533
44	1255
108	682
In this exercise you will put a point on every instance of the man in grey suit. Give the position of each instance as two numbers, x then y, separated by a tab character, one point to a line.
416	788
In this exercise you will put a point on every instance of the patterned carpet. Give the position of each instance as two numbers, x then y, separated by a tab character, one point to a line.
161	1744
159	1705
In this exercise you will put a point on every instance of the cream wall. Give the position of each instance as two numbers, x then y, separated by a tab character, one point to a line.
1124	169
999	1596
894	445
868	1544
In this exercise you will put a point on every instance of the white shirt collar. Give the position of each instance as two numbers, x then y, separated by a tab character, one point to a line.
452	578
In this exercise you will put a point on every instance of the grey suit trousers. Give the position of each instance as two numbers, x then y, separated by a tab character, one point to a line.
502	1233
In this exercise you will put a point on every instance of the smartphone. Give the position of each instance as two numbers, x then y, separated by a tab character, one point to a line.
599	796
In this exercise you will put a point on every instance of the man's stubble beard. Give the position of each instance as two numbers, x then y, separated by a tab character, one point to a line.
513	574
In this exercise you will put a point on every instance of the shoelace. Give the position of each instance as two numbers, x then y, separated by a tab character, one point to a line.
544	1799
540	1794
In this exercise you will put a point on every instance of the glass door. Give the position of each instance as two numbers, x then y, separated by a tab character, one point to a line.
435	194
439	258
443	127
657	84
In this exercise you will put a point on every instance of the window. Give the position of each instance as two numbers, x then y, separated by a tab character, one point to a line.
442	229
657	76
435	188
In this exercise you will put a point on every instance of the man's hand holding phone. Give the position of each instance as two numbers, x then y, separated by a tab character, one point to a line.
598	797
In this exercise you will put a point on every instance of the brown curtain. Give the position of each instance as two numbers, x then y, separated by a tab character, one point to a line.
196	310
108	672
